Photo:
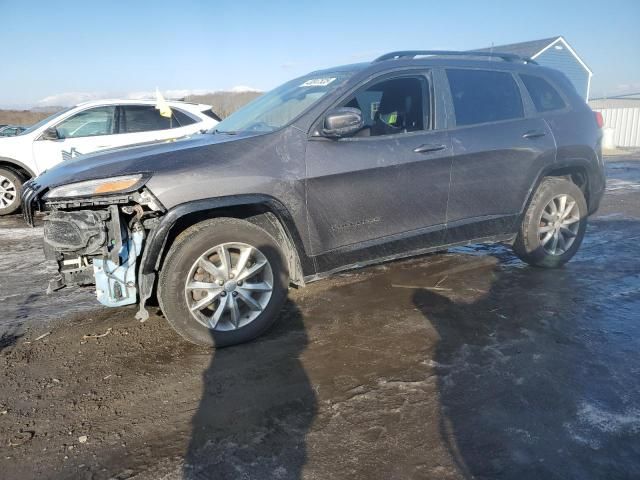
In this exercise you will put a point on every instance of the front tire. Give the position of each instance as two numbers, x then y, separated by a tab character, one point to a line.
224	282
10	191
553	226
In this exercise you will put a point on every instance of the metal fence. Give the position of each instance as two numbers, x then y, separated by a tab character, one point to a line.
625	123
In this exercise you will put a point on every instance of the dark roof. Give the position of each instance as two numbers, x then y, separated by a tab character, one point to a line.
524	49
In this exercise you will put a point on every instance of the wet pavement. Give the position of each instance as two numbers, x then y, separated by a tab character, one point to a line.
466	364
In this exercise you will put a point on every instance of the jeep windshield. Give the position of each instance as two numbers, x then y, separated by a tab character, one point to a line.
280	106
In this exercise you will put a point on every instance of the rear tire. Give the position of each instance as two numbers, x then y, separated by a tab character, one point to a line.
10	191
224	282
553	226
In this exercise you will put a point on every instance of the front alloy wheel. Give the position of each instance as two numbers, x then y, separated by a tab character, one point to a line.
229	286
223	282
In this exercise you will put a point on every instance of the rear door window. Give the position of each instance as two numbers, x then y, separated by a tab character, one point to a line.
144	118
481	96
544	96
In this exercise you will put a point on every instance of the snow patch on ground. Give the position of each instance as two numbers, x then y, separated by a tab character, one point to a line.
593	424
615	185
18	233
609	422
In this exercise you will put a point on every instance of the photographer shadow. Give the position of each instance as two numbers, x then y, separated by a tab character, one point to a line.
518	378
256	408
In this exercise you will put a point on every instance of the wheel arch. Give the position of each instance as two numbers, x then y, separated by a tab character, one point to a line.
18	167
576	170
261	210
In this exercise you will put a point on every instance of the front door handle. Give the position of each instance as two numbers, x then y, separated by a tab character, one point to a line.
429	147
534	134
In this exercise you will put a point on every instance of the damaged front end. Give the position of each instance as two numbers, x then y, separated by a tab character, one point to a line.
95	246
96	240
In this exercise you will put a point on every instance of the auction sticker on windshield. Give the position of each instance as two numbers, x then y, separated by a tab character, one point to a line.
318	82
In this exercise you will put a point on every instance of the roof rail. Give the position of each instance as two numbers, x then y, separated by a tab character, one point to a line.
507	57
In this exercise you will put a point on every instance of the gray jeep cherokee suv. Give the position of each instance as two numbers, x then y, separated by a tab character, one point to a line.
414	152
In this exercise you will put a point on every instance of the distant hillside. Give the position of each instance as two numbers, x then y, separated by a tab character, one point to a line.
23	117
224	103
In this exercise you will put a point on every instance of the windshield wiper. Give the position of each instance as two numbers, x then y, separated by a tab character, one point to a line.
229	132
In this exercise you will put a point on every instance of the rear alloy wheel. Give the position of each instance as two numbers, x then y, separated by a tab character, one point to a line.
223	282
10	191
559	224
554	224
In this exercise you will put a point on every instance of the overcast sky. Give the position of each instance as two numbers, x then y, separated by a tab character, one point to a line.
58	53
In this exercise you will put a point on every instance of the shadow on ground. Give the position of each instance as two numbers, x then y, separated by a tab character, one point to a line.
8	339
538	371
256	408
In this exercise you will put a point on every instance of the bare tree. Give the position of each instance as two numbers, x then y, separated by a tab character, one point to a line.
24	117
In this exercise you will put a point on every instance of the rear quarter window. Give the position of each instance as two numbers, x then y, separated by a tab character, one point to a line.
210	113
182	118
481	96
545	98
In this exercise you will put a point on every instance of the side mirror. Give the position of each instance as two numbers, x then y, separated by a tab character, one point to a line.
50	134
342	122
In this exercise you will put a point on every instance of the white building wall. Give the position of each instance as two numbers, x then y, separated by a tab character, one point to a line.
625	123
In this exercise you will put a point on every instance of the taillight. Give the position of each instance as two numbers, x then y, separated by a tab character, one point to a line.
599	119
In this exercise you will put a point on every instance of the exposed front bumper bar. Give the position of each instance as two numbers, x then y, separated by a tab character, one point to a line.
116	283
29	202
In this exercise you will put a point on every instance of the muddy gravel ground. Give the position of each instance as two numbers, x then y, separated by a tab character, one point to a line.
465	364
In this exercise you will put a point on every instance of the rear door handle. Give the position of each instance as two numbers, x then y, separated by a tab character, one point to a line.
534	134
429	147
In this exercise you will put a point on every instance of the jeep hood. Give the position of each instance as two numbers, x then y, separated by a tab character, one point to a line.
164	157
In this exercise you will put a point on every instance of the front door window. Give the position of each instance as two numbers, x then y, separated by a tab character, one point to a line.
88	123
392	106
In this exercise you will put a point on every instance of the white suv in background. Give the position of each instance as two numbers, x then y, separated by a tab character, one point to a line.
87	128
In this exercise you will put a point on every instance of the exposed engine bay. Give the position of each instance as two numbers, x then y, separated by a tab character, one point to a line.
99	243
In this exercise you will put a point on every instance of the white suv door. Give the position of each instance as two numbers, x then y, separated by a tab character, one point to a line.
85	132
